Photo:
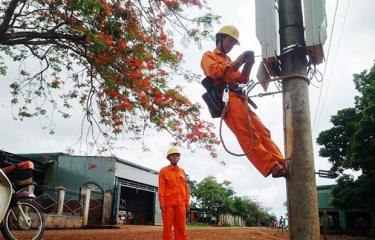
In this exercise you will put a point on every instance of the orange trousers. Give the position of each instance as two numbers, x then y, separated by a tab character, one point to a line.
174	216
256	142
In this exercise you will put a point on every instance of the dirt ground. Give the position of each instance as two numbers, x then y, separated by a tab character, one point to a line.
132	232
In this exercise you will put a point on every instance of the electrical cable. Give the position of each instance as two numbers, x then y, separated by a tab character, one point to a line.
248	125
333	66
325	67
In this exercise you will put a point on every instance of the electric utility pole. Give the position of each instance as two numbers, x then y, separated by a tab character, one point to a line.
301	186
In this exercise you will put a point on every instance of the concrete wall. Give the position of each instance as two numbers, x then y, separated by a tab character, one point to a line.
228	219
62	222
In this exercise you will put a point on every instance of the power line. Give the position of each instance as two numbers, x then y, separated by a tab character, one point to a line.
325	67
333	66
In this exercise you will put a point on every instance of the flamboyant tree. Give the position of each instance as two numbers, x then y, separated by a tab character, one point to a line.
114	57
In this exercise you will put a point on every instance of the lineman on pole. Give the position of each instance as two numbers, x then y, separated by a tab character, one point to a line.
252	135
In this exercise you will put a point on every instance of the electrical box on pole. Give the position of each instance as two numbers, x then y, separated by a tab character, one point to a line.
266	31
315	22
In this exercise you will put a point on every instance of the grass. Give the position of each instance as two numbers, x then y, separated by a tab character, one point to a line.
197	224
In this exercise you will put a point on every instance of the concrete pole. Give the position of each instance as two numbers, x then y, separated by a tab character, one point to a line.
61	198
301	186
86	207
107	207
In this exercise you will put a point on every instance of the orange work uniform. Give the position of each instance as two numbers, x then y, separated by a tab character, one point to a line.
174	197
256	142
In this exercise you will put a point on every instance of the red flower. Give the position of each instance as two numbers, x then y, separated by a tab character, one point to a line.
92	165
150	67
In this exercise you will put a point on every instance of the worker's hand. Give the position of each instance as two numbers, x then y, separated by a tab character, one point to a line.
236	64
249	57
162	208
242	58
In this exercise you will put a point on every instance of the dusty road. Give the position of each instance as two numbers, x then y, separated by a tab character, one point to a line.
133	232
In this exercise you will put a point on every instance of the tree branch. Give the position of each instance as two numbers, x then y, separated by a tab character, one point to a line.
18	37
7	17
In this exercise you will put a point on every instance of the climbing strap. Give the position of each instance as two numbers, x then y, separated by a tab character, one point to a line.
245	90
225	109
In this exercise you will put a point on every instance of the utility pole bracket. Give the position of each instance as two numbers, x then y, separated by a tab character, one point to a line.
327	174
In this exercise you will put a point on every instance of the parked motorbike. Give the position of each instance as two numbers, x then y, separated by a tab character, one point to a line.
20	217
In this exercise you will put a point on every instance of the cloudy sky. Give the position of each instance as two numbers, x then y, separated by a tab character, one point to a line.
353	37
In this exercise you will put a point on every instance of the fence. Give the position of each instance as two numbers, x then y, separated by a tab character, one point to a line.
67	209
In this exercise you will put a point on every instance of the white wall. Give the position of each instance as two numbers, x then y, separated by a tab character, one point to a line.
136	174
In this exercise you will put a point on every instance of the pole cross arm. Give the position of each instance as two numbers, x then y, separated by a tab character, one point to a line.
327	174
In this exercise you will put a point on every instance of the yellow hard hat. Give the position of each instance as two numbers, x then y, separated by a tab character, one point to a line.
232	31
172	150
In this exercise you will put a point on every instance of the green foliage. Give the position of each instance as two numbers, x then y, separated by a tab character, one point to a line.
336	140
213	196
354	194
192	185
350	145
197	224
219	198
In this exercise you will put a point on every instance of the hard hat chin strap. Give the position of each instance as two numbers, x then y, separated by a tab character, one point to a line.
221	44
219	39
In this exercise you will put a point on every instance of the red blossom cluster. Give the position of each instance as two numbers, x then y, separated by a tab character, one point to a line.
128	55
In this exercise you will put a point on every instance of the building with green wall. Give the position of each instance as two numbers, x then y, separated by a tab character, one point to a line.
340	219
134	187
72	172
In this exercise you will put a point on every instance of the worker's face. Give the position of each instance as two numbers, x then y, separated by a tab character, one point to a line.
228	44
174	158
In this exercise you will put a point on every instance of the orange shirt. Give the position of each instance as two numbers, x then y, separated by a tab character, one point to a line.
173	187
217	66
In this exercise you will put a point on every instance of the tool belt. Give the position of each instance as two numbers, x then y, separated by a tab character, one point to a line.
213	96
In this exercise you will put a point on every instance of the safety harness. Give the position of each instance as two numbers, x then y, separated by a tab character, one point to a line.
217	98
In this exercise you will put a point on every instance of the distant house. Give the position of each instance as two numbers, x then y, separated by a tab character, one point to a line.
350	220
133	187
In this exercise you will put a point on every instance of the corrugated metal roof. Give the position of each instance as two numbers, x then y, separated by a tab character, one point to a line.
43	157
50	157
136	166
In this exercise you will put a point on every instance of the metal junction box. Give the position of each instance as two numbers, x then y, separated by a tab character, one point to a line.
315	28
265	13
266	31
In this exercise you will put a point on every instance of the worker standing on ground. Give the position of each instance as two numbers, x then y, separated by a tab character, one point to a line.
282	223
173	197
253	136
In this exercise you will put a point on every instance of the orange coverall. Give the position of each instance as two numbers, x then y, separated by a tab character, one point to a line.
174	197
256	143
